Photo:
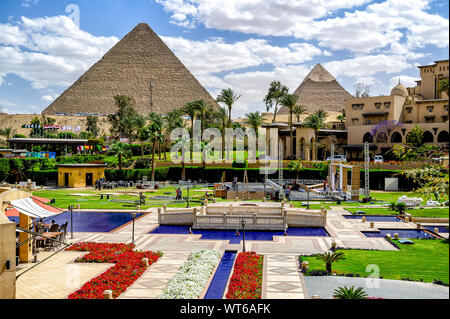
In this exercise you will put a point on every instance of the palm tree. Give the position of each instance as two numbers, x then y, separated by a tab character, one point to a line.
297	167
341	119
222	119
289	100
190	109
326	145
131	126
159	121
203	109
120	150
172	120
273	96
349	293
299	110
7	132
329	258
154	136
228	97
316	121
255	120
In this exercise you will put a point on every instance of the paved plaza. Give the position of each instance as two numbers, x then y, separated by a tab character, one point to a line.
59	275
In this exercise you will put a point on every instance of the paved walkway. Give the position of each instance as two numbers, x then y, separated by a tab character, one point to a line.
281	278
156	277
385	288
57	277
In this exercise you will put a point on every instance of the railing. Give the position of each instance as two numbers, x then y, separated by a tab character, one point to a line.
235	222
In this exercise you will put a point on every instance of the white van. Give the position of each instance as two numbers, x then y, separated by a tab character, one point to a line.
338	158
378	159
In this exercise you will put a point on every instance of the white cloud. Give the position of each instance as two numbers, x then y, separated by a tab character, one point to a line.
375	27
49	51
406	80
368	65
216	55
28	3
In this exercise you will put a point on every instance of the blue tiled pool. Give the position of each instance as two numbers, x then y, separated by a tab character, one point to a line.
375	218
402	233
249	234
442	229
101	222
220	279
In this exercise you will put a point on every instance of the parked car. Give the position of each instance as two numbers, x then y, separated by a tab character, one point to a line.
378	159
338	158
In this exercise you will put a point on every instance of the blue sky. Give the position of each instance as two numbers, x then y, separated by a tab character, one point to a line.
242	44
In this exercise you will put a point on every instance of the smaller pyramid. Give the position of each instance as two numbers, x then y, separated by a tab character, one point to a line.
319	90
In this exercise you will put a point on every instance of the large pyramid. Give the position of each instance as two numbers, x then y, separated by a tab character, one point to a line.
320	91
140	58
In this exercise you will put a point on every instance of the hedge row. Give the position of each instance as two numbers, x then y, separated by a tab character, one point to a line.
205	174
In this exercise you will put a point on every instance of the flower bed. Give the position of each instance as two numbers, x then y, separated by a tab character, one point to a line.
189	281
246	281
128	267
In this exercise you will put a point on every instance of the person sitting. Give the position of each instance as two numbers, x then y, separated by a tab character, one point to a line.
287	192
54	227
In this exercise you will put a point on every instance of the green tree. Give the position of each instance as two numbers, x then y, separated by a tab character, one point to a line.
299	110
190	109
415	137
228	97
92	125
125	109
444	86
329	258
273	97
297	167
289	101
255	120
120	150
349	293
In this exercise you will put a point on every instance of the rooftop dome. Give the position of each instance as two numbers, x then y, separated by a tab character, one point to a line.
399	89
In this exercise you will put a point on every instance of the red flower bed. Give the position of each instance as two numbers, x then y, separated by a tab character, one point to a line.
128	267
246	281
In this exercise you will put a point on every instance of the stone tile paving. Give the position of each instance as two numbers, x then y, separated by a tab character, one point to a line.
156	277
282	280
345	232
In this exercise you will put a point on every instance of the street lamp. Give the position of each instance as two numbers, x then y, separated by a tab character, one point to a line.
243	222
71	221
133	215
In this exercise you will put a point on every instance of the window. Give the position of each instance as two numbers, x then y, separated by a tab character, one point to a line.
429	119
377	106
354	121
430	108
409	110
444	118
387	105
409	122
357	106
446	108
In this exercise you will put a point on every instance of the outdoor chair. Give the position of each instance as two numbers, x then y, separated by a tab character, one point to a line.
54	228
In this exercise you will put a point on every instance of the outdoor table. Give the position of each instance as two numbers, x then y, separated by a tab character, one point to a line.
48	235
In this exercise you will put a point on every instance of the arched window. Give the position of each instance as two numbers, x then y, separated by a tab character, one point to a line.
396	137
443	137
367	138
428	137
381	138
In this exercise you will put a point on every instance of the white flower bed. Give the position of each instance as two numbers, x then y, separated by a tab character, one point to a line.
189	281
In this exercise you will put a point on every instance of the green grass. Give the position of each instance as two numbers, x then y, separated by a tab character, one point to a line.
426	259
63	199
426	212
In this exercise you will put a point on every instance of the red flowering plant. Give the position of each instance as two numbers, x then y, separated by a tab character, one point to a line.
246	281
128	267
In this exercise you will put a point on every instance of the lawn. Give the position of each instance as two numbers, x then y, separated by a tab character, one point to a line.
426	212
63	199
426	259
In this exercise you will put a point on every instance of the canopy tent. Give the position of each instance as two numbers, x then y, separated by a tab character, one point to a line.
34	208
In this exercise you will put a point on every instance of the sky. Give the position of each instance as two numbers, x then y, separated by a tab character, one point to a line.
46	45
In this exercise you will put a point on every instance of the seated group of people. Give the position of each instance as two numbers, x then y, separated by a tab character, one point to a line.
53	227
